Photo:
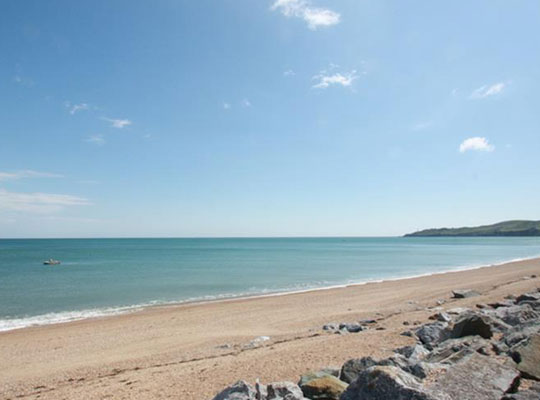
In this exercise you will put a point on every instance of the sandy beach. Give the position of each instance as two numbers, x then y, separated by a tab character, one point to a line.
192	351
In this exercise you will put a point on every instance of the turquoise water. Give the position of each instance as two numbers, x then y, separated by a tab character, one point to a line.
107	276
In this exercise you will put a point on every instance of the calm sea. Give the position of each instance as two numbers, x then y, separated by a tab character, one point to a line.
107	276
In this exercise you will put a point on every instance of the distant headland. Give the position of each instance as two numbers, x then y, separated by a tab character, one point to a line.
506	228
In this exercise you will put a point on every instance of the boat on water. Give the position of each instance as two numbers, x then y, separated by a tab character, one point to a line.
51	261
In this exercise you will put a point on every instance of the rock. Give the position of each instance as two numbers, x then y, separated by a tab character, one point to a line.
351	327
352	368
477	378
441	316
406	323
523	395
503	303
407	333
423	369
414	353
520	333
331	327
239	391
464	293
535	305
432	334
258	341
385	383
284	391
367	321
529	357
458	310
334	371
517	315
261	393
531	393
416	368
321	386
453	351
472	324
532	296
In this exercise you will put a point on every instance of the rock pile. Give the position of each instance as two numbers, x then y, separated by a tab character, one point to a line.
491	353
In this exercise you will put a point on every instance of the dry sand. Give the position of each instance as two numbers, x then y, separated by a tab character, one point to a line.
193	351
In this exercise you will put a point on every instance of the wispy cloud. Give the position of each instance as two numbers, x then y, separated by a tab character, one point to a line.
27	173
98	140
118	123
226	106
75	108
325	79
488	90
422	125
315	17
23	81
289	72
38	202
476	144
246	103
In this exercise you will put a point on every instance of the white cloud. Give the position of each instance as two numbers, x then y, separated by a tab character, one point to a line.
23	81
325	80
476	144
289	72
315	17
96	139
420	126
38	202
226	106
246	103
27	173
488	90
118	123
75	108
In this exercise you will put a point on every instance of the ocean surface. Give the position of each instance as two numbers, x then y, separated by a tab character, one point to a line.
108	276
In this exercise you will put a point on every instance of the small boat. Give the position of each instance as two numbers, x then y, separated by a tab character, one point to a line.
51	261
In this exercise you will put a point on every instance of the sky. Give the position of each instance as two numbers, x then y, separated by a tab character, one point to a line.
130	118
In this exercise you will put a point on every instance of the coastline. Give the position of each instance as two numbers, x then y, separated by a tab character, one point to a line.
193	350
66	317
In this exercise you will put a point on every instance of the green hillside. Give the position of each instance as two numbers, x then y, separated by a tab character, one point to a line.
506	228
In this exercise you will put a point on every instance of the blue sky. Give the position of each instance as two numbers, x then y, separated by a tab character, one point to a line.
266	118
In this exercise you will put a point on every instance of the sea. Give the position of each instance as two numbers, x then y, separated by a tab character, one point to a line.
99	277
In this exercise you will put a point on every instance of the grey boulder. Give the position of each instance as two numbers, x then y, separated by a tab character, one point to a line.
432	334
386	382
470	324
239	391
464	293
533	393
321	386
517	315
351	327
352	368
413	353
477	378
284	391
532	296
527	355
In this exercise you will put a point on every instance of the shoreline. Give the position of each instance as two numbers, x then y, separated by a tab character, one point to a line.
192	351
67	317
